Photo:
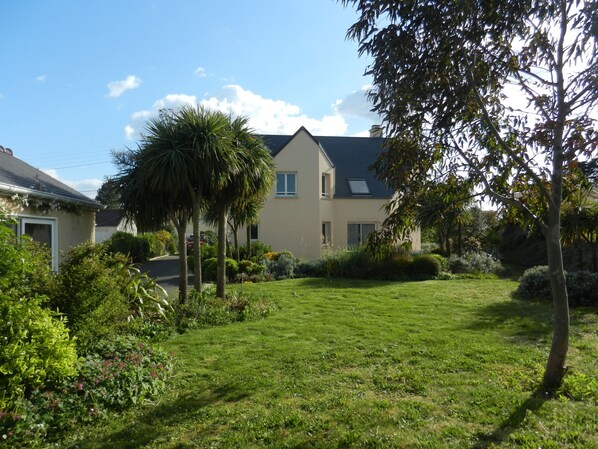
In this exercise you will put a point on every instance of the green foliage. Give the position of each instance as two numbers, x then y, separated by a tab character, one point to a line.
25	266
116	375
582	286
210	266
138	249
250	268
205	310
208	251
474	263
90	293
156	247
168	241
580	387
258	250
425	266
282	265
35	348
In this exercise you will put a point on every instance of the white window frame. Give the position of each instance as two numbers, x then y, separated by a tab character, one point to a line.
361	240
53	223
325	186
285	193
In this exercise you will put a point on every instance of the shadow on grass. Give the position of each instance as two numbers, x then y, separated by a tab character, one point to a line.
314	282
157	422
513	422
528	320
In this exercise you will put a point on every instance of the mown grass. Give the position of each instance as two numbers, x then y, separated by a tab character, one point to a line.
340	364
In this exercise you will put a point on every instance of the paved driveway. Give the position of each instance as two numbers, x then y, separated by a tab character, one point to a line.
166	272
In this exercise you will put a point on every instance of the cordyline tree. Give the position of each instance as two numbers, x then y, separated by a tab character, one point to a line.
500	91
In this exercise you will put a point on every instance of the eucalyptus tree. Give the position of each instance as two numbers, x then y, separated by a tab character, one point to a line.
500	91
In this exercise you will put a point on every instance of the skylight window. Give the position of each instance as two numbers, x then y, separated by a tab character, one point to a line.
359	186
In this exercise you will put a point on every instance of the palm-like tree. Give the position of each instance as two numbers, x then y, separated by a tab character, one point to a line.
248	181
155	182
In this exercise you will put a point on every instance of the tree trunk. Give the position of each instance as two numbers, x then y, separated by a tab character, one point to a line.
196	246
555	368
181	226
460	239
248	242
236	240
221	267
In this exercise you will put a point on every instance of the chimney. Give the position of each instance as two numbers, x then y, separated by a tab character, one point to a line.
5	150
376	131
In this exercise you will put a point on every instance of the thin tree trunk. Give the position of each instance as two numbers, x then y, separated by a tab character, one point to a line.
555	367
196	246
248	242
460	239
236	240
181	226
221	267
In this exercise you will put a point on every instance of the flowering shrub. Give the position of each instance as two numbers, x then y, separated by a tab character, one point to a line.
118	374
478	262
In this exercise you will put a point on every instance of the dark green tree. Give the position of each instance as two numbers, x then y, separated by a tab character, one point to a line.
501	92
108	194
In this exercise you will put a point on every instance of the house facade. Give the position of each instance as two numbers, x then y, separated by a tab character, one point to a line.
324	196
44	208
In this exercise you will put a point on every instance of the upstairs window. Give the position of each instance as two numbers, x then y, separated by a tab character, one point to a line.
286	184
359	186
325	185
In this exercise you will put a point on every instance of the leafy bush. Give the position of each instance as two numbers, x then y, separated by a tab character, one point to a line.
117	374
25	266
479	262
424	266
250	268
36	349
168	241
90	293
258	249
210	267
137	248
281	265
203	309
310	268
582	286
208	251
156	247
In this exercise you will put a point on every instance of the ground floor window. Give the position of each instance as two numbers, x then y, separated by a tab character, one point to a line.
326	233
42	230
357	233
253	232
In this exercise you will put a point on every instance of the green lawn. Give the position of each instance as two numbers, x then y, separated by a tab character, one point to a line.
435	364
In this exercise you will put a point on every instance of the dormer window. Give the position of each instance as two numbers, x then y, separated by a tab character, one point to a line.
359	186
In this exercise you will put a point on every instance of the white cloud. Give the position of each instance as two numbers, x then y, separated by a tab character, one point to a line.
41	78
117	88
200	72
129	132
88	187
357	104
272	116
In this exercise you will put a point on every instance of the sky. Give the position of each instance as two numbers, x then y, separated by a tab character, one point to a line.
79	79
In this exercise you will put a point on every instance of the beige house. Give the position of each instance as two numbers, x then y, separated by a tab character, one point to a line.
44	208
324	197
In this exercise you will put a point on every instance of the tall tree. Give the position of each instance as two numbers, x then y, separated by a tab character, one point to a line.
153	181
249	182
108	194
449	78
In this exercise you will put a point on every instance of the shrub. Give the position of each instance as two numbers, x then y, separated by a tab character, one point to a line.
168	241
310	268
250	268
156	247
258	249
582	286
36	349
210	267
479	262
281	265
425	266
137	248
116	375
208	251
203	309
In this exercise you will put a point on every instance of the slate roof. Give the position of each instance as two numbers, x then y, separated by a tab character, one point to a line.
351	157
16	173
109	217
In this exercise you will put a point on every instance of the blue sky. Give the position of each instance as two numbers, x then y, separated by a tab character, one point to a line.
80	78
